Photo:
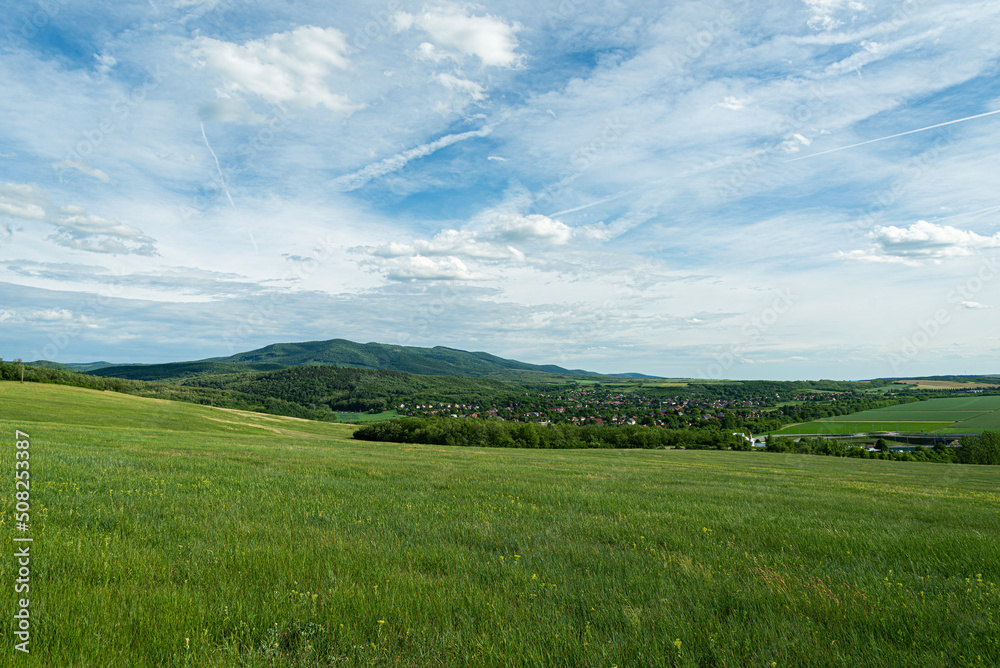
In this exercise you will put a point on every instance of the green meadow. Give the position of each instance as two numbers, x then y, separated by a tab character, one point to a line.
172	534
953	415
852	427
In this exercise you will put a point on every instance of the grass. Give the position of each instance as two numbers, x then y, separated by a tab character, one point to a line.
181	535
954	415
840	427
358	418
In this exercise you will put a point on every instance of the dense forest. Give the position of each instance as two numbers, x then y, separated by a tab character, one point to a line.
358	390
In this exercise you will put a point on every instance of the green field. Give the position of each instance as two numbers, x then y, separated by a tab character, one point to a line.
171	534
843	427
956	415
355	418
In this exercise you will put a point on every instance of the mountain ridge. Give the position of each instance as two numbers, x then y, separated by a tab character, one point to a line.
436	361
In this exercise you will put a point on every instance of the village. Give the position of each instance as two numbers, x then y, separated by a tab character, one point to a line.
594	406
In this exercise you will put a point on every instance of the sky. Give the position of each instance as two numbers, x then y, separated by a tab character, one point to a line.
798	189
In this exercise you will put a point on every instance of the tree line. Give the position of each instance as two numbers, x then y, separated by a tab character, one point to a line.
493	433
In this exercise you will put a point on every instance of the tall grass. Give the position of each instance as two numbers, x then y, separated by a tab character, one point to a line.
179	535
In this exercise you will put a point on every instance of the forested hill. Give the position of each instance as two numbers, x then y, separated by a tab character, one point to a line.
437	361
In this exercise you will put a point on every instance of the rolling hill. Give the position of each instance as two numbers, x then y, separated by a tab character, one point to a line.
437	361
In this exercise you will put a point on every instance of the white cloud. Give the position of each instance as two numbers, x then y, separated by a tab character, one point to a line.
80	230
927	240
22	200
734	103
506	239
420	268
427	51
489	38
921	241
974	305
287	67
104	63
825	12
470	88
527	229
83	167
450	243
874	257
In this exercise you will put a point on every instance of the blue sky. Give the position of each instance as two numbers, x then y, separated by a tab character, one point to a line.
682	189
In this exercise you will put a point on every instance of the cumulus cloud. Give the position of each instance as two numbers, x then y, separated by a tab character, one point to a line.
527	229
22	200
974	306
420	268
826	14
449	243
499	240
489	38
79	230
922	241
49	316
287	67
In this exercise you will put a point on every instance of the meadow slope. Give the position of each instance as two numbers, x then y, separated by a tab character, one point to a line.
170	534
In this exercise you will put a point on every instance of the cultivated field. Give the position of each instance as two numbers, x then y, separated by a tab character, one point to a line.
924	383
958	415
843	427
171	534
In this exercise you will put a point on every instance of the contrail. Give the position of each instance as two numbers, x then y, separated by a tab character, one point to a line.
909	132
587	206
221	178
353	181
969	213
